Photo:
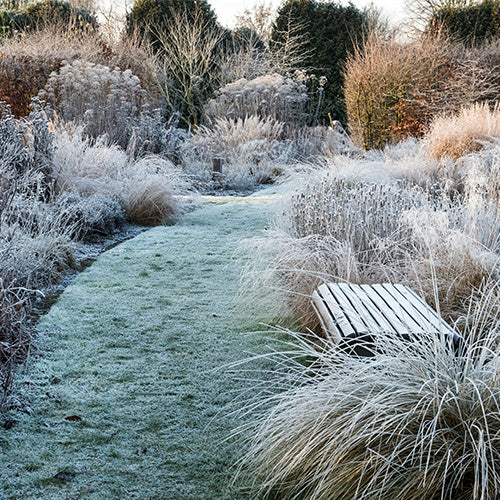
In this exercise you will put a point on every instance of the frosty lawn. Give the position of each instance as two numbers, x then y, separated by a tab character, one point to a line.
132	348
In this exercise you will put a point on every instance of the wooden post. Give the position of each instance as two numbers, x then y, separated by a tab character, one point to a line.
216	169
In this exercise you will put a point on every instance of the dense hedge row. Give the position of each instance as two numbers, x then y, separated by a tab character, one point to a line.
329	31
472	24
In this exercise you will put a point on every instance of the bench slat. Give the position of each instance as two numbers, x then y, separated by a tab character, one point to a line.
356	318
401	310
372	315
424	309
388	313
325	317
340	317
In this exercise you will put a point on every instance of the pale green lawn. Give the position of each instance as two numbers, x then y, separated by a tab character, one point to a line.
132	348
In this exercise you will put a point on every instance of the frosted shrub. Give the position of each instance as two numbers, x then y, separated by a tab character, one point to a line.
322	141
85	167
282	98
90	218
35	243
26	144
15	331
112	103
249	139
482	176
97	170
152	135
106	101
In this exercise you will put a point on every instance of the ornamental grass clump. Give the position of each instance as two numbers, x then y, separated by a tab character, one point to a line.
252	149
154	192
101	178
416	421
471	130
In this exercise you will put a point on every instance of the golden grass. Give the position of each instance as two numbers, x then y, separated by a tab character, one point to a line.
458	135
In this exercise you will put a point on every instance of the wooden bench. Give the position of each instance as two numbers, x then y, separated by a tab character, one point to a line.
349	312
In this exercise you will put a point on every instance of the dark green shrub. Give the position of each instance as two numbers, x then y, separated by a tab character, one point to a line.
47	13
329	32
472	24
150	18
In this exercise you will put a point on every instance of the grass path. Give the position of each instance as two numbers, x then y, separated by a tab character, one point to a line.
132	348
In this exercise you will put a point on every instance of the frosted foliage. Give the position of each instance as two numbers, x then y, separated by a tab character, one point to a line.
368	232
281	98
250	139
106	101
85	168
328	141
94	168
28	144
470	130
250	148
482	177
362	215
35	244
416	421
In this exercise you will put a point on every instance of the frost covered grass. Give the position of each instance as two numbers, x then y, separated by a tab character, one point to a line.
135	347
251	148
258	150
146	190
469	131
414	421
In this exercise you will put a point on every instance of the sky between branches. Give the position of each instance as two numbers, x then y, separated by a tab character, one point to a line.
227	9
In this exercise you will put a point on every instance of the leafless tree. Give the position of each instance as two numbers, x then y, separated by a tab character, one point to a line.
421	11
292	49
259	18
189	62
